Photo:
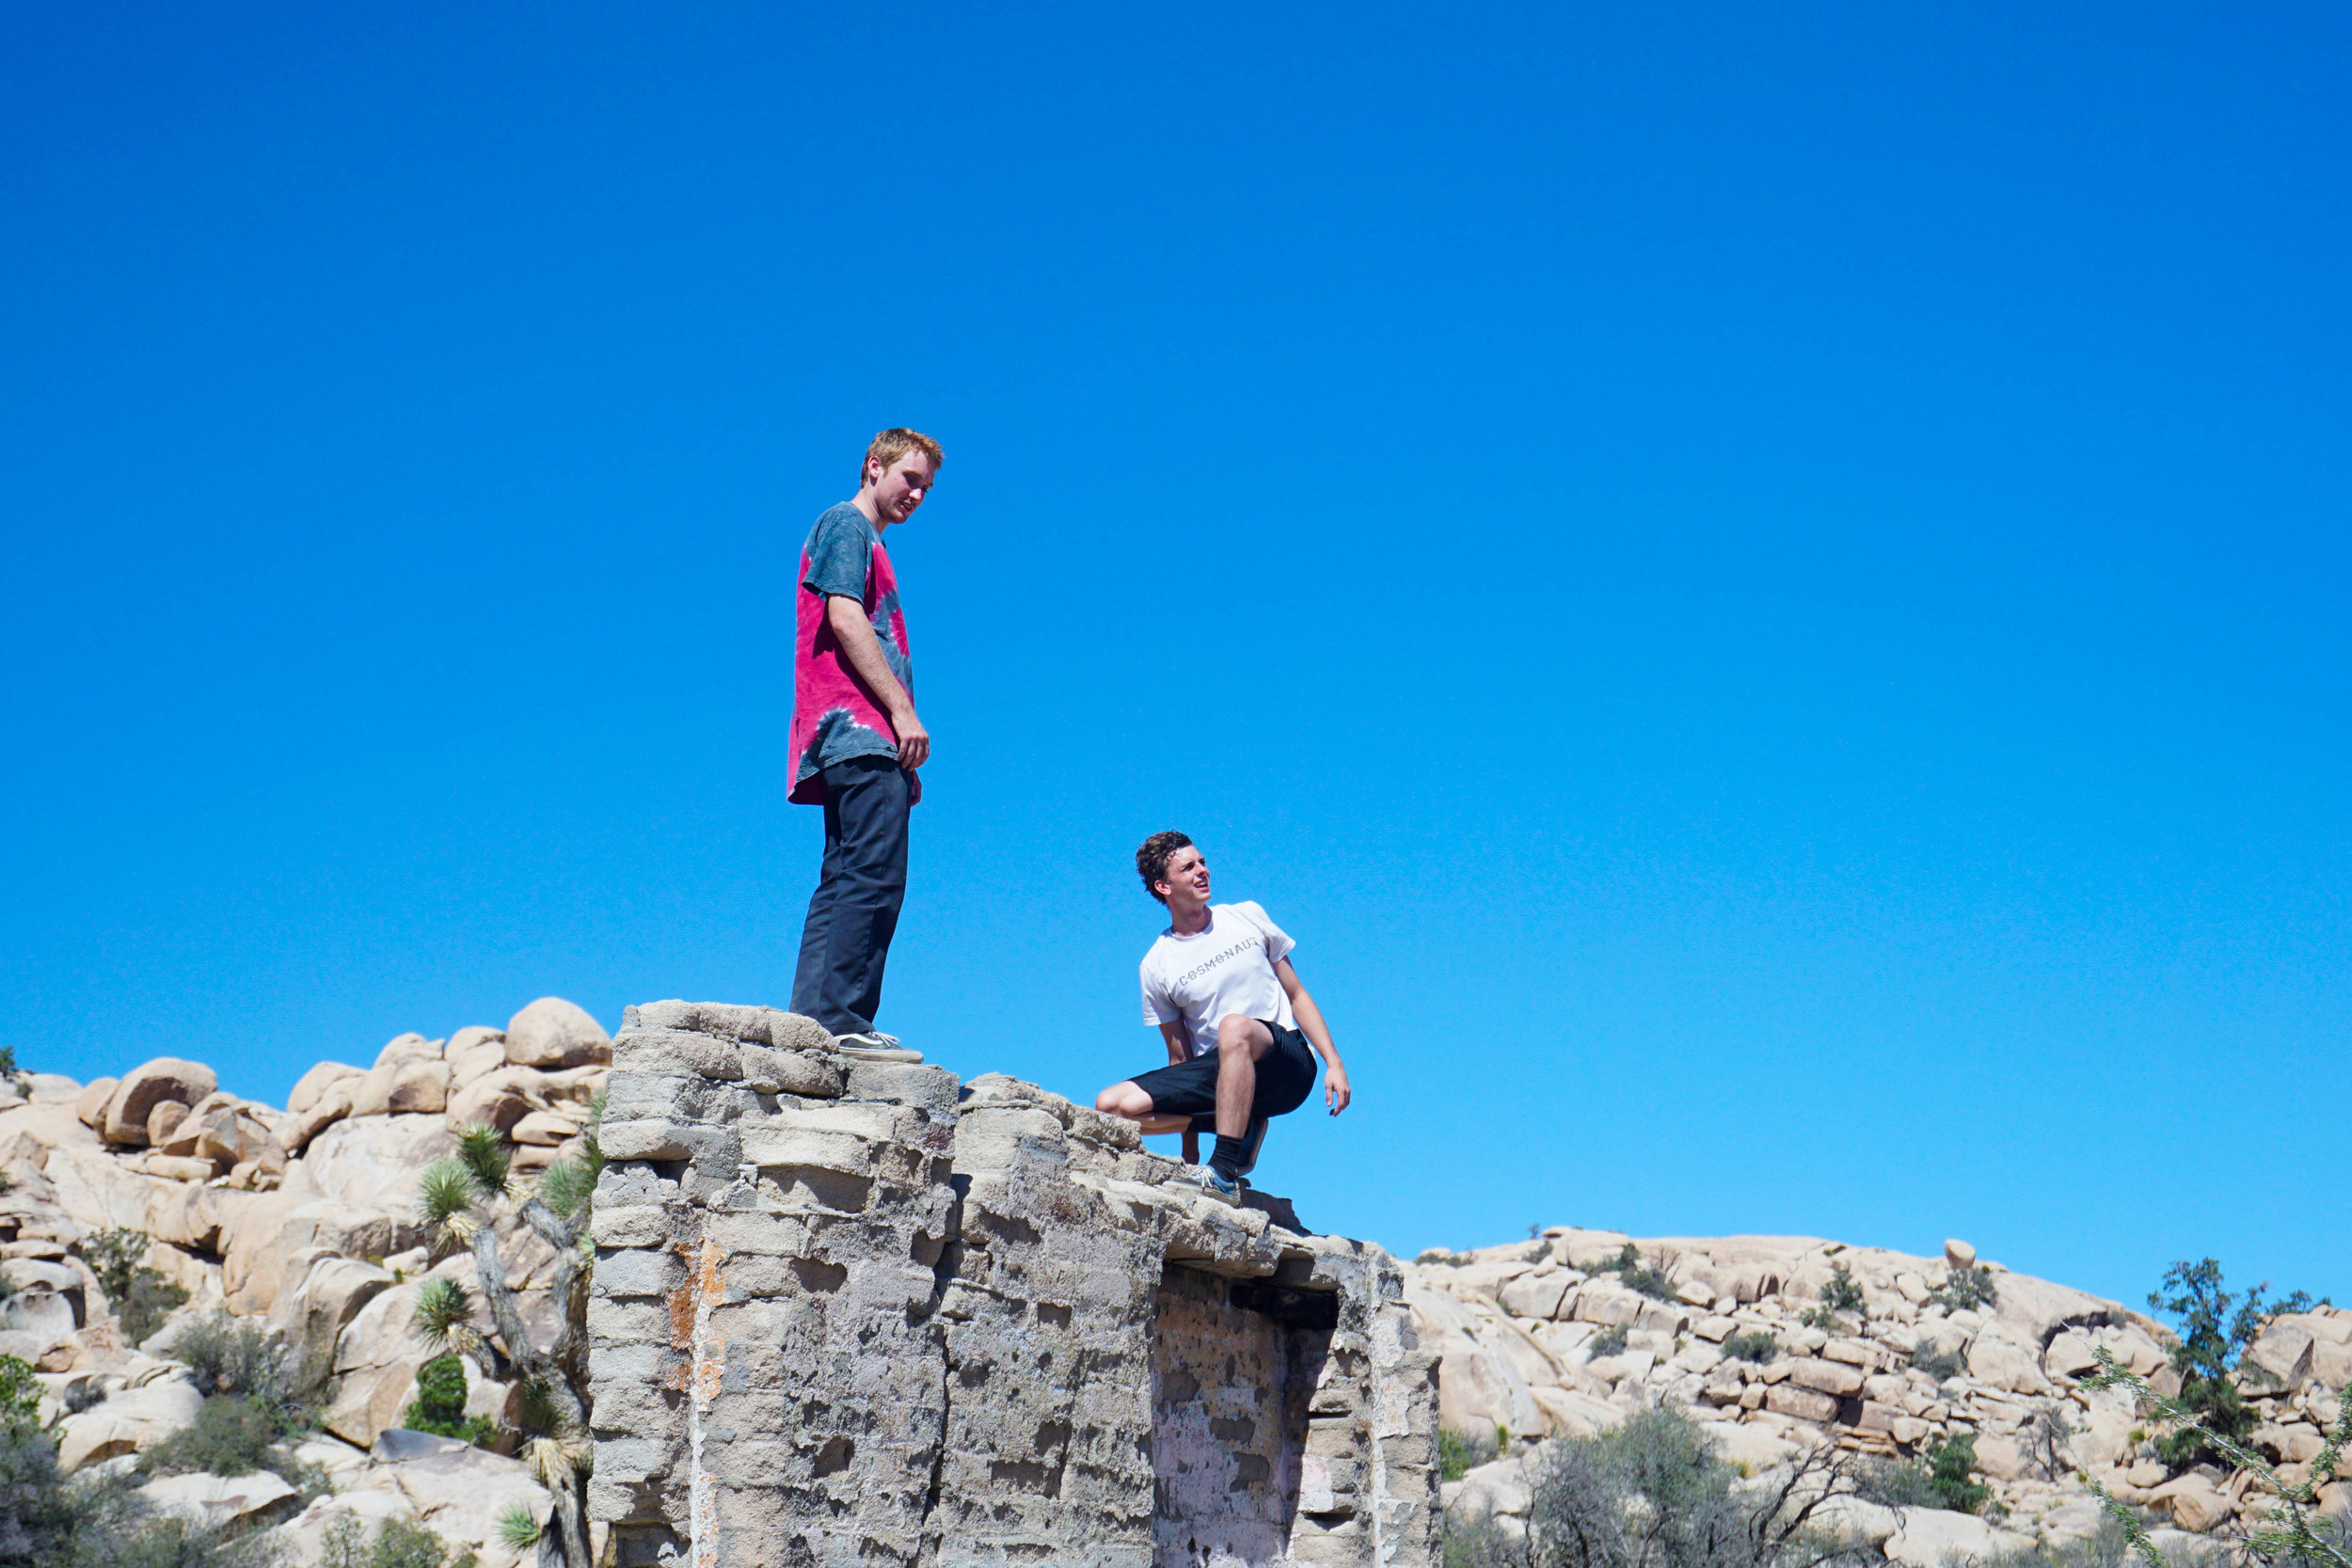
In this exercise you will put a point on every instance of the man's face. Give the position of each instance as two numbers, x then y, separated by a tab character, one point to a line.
1187	873
900	488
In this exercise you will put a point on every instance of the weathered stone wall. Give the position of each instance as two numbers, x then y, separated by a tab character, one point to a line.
855	1313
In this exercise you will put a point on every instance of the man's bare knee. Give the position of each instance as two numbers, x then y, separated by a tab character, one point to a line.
1124	1099
1238	1035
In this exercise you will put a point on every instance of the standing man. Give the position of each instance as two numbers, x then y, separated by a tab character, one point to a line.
1238	1025
856	741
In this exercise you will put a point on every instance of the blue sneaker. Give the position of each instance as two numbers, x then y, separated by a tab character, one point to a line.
1211	1184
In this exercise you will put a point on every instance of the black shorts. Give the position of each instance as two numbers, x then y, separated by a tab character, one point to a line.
1286	1076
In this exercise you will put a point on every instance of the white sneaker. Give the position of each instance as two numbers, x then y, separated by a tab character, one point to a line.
1205	1180
872	1045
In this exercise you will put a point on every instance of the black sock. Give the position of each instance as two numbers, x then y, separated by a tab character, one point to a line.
1230	1152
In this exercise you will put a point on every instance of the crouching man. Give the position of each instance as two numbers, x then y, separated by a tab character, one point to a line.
1219	985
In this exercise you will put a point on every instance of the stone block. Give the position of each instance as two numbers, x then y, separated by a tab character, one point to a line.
672	1052
795	1073
645	1140
1789	1398
775	1146
932	1089
636	1225
1827	1377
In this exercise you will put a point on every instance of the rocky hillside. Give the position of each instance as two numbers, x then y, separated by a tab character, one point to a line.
1777	1341
303	1219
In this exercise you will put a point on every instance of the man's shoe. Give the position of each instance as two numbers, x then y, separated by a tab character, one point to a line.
1209	1184
1252	1141
872	1045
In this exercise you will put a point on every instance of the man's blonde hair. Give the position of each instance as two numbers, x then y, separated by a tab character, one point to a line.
895	443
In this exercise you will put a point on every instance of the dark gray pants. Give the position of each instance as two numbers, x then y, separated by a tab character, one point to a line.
855	910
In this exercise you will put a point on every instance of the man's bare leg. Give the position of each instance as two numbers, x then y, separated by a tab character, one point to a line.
1126	1098
1240	1041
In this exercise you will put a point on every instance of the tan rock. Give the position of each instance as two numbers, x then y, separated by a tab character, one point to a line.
1608	1304
474	1050
1806	1404
162	1118
543	1127
311	1085
1714	1330
147	1087
420	1087
176	1168
1854	1353
498	1100
2004	1366
130	1422
411	1047
1958	1254
90	1106
372	1161
329	1106
216	1502
553	1033
1827	1377
2194	1502
1934	1537
2068	1356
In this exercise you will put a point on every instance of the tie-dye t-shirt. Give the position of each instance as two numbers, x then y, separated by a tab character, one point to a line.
833	717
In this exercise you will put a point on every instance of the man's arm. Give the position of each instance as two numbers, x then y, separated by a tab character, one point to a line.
1179	1040
862	649
1336	1093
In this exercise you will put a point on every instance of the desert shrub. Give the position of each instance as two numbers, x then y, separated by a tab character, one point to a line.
2216	1328
1653	1493
232	1357
1965	1290
1478	1541
140	1296
1755	1345
1842	1293
397	1544
20	1395
1943	1476
1609	1341
48	1520
519	1528
1648	1278
229	1437
1938	1364
440	1406
1460	1452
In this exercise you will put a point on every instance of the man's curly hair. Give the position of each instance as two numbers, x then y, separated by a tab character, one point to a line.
1151	860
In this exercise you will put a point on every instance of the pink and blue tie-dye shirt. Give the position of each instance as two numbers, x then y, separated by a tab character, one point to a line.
833	718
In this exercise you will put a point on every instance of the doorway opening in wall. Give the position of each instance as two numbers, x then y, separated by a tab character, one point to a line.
1235	1366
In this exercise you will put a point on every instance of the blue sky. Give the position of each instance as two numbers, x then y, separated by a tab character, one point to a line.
1761	588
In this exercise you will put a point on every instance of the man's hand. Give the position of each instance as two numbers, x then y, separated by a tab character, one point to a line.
1336	1093
864	649
914	741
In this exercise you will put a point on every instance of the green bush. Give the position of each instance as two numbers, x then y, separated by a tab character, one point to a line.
1755	1345
141	1297
1609	1341
1648	1278
1653	1493
2213	1339
397	1544
20	1395
1938	1364
1965	1290
232	1357
519	1528
1943	1476
1459	1454
230	1436
440	1406
50	1521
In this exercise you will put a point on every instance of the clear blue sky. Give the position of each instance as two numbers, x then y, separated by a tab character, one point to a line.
1762	588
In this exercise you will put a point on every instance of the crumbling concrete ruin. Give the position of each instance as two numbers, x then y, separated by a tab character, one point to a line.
850	1312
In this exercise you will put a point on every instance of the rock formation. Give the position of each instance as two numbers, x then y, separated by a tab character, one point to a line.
1548	1339
854	1312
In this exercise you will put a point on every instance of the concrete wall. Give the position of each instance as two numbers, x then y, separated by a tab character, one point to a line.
851	1313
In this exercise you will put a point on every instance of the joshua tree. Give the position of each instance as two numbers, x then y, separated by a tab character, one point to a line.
463	1197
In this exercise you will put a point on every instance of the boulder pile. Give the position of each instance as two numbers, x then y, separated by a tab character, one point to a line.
303	1219
1779	1342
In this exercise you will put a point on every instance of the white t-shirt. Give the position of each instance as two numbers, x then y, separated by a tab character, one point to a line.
1226	967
